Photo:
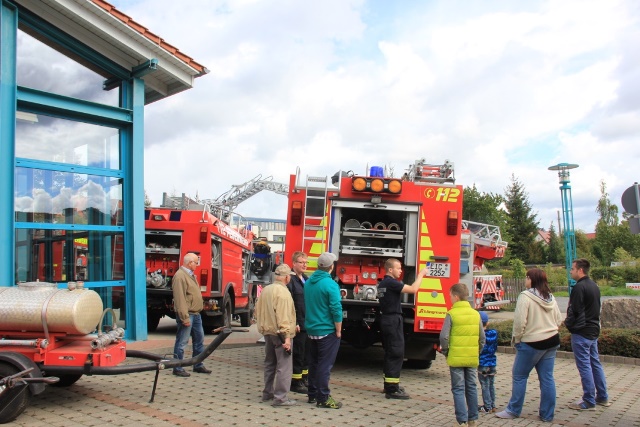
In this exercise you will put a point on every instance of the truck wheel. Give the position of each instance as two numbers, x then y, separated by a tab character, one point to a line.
227	311
153	320
245	318
12	402
66	380
417	364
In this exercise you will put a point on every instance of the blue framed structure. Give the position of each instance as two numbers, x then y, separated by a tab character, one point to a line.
44	243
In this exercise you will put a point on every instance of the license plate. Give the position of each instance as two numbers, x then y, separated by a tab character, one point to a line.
439	269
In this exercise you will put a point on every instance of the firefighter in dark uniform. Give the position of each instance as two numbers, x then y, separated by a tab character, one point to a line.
392	325
296	287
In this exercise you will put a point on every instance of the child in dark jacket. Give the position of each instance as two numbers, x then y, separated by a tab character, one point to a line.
487	367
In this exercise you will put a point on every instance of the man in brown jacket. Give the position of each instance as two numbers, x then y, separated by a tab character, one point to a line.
187	303
276	318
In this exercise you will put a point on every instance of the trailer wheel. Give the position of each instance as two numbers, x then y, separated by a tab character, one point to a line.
67	380
153	320
13	402
245	318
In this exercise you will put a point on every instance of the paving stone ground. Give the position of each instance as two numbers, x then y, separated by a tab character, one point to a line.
230	396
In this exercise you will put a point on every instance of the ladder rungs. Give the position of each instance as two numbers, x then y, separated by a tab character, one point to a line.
314	217
313	227
314	239
317	178
316	197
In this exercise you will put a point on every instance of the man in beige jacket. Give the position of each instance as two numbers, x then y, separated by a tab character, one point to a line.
187	302
276	318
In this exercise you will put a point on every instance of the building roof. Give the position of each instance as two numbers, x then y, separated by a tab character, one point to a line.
543	236
117	36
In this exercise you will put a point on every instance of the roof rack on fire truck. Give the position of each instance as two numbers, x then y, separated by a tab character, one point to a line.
420	171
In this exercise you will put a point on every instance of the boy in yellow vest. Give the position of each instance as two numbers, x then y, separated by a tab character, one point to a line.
461	340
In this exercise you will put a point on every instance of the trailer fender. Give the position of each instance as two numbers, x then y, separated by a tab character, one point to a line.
22	362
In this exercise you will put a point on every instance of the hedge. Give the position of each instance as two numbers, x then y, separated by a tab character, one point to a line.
612	341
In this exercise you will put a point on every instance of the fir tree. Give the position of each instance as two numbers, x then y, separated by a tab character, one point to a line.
522	224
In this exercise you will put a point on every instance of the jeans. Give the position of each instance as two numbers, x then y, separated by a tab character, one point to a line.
465	393
183	333
486	376
594	383
322	355
277	370
528	358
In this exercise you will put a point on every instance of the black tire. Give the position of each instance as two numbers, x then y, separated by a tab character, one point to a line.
417	364
67	380
227	311
245	318
153	320
13	402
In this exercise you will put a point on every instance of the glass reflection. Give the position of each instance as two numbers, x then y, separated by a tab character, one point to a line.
56	197
50	139
62	255
43	67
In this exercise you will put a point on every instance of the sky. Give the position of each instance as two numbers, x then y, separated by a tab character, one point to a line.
499	88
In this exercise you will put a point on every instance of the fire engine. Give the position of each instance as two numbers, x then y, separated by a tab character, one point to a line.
229	270
370	218
480	243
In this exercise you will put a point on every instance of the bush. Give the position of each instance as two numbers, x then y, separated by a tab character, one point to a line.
612	341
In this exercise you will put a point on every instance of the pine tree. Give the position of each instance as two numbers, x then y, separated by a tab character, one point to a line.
522	224
554	249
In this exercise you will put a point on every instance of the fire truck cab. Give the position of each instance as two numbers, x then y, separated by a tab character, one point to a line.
225	274
371	218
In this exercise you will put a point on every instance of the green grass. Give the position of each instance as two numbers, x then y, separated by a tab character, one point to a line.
607	291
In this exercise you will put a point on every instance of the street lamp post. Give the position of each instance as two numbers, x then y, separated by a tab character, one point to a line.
570	252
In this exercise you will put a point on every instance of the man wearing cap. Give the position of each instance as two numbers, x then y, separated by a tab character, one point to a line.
276	320
324	327
392	324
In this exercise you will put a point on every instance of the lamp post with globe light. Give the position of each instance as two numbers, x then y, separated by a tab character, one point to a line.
570	252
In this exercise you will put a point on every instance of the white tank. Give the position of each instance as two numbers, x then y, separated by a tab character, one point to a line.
74	312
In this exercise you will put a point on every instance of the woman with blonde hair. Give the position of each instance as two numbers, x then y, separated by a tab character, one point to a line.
536	339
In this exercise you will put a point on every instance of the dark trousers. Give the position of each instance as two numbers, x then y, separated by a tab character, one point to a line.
299	355
322	356
393	342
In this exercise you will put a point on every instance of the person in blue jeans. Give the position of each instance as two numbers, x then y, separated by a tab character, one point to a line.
461	339
323	322
583	321
188	303
487	367
536	339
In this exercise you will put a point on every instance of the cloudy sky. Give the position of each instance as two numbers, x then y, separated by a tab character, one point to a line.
497	87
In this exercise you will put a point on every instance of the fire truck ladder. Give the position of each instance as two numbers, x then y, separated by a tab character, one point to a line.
312	222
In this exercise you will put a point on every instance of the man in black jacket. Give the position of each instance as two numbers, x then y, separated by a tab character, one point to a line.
583	321
296	287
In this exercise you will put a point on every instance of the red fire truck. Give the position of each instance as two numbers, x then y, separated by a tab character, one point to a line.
368	219
228	270
480	243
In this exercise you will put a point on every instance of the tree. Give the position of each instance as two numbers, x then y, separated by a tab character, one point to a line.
554	248
522	224
608	211
483	207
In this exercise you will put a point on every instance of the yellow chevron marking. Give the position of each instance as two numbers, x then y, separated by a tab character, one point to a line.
431	283
425	241
427	298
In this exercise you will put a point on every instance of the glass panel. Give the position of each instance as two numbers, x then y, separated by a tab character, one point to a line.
62	256
55	197
45	68
50	139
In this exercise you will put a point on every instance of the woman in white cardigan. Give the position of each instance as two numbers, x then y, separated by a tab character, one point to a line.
536	339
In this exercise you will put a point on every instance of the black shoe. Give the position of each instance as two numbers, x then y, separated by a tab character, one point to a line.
182	373
397	394
298	387
312	400
484	409
202	370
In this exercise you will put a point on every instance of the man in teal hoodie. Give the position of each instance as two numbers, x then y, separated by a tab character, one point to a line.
323	322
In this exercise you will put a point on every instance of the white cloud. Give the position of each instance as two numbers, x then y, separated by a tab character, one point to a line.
498	88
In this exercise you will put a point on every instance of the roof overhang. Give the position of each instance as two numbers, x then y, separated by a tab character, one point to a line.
100	26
